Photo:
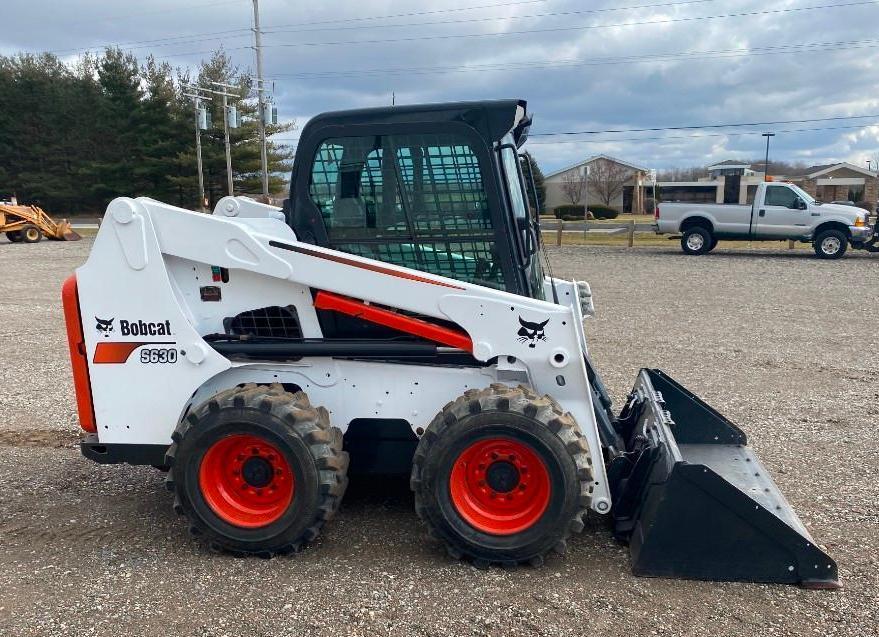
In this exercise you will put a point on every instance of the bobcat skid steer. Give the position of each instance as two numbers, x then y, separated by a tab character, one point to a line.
396	312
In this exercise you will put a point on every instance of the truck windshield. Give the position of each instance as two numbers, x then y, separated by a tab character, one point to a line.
802	193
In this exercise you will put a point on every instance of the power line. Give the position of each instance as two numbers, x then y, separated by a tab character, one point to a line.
707	135
693	127
281	28
181	39
704	126
453	36
156	11
633	59
245	32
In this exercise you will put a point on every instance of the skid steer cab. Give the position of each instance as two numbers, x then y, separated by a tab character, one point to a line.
395	316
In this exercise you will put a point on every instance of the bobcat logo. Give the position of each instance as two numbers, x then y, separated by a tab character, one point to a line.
531	332
104	326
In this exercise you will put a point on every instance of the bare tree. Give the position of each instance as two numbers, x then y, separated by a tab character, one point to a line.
574	186
682	174
607	179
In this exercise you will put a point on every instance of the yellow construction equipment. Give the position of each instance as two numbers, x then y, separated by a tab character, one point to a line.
29	224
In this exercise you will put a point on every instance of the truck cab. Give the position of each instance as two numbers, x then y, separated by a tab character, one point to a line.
780	211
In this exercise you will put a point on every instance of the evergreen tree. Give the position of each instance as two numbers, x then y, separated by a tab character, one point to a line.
539	184
119	127
166	130
74	136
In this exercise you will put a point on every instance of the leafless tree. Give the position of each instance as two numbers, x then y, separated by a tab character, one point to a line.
607	179
682	174
574	186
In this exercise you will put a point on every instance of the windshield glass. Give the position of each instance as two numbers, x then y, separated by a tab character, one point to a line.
511	171
802	193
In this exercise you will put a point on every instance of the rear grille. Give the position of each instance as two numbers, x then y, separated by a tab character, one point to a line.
265	322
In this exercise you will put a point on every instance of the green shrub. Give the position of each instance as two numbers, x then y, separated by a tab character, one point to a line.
570	213
603	212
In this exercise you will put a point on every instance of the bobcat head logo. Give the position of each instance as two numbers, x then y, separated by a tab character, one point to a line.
104	326
531	332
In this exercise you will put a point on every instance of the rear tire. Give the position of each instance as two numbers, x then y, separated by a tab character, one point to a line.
257	470
14	236
696	240
30	234
830	244
502	476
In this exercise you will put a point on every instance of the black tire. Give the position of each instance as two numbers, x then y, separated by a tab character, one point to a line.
30	234
520	415
713	244
830	244
310	448
696	240
14	236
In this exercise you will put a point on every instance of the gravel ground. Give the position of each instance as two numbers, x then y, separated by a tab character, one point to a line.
779	342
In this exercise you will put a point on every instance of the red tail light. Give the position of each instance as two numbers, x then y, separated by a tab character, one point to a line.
656	213
78	361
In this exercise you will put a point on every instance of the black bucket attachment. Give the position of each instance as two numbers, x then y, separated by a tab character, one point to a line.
693	501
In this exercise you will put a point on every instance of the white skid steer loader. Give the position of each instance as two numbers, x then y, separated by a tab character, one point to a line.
396	312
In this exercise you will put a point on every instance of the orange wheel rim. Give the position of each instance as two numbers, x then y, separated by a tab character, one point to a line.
246	481
500	486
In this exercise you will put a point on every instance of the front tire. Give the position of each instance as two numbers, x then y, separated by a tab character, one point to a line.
502	476
14	236
697	240
30	234
830	244
257	470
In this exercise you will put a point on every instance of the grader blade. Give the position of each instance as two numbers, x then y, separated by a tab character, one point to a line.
693	500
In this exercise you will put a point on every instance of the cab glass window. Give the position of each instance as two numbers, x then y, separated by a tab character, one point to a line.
781	196
413	200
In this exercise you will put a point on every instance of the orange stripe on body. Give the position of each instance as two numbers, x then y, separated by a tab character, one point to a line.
114	352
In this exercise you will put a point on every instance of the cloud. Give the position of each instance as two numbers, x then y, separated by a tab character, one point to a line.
554	53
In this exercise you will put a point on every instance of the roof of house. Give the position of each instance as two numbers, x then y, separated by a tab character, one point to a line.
730	163
823	169
589	160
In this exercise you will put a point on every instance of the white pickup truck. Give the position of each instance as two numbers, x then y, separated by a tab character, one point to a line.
780	211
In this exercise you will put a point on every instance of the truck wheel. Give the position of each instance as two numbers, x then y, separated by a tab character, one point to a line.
502	476
30	234
14	236
257	470
712	245
830	244
696	240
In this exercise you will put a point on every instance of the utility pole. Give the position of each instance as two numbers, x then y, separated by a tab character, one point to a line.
259	94
226	126
198	127
766	165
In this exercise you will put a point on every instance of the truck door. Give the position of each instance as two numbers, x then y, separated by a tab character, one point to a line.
780	214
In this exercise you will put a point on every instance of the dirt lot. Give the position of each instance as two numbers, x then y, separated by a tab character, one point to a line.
780	342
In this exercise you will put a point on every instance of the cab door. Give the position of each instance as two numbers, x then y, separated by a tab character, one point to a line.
782	214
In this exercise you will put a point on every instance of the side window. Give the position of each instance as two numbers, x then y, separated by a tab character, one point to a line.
348	187
413	200
781	196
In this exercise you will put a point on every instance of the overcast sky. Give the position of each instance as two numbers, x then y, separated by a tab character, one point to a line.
687	63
